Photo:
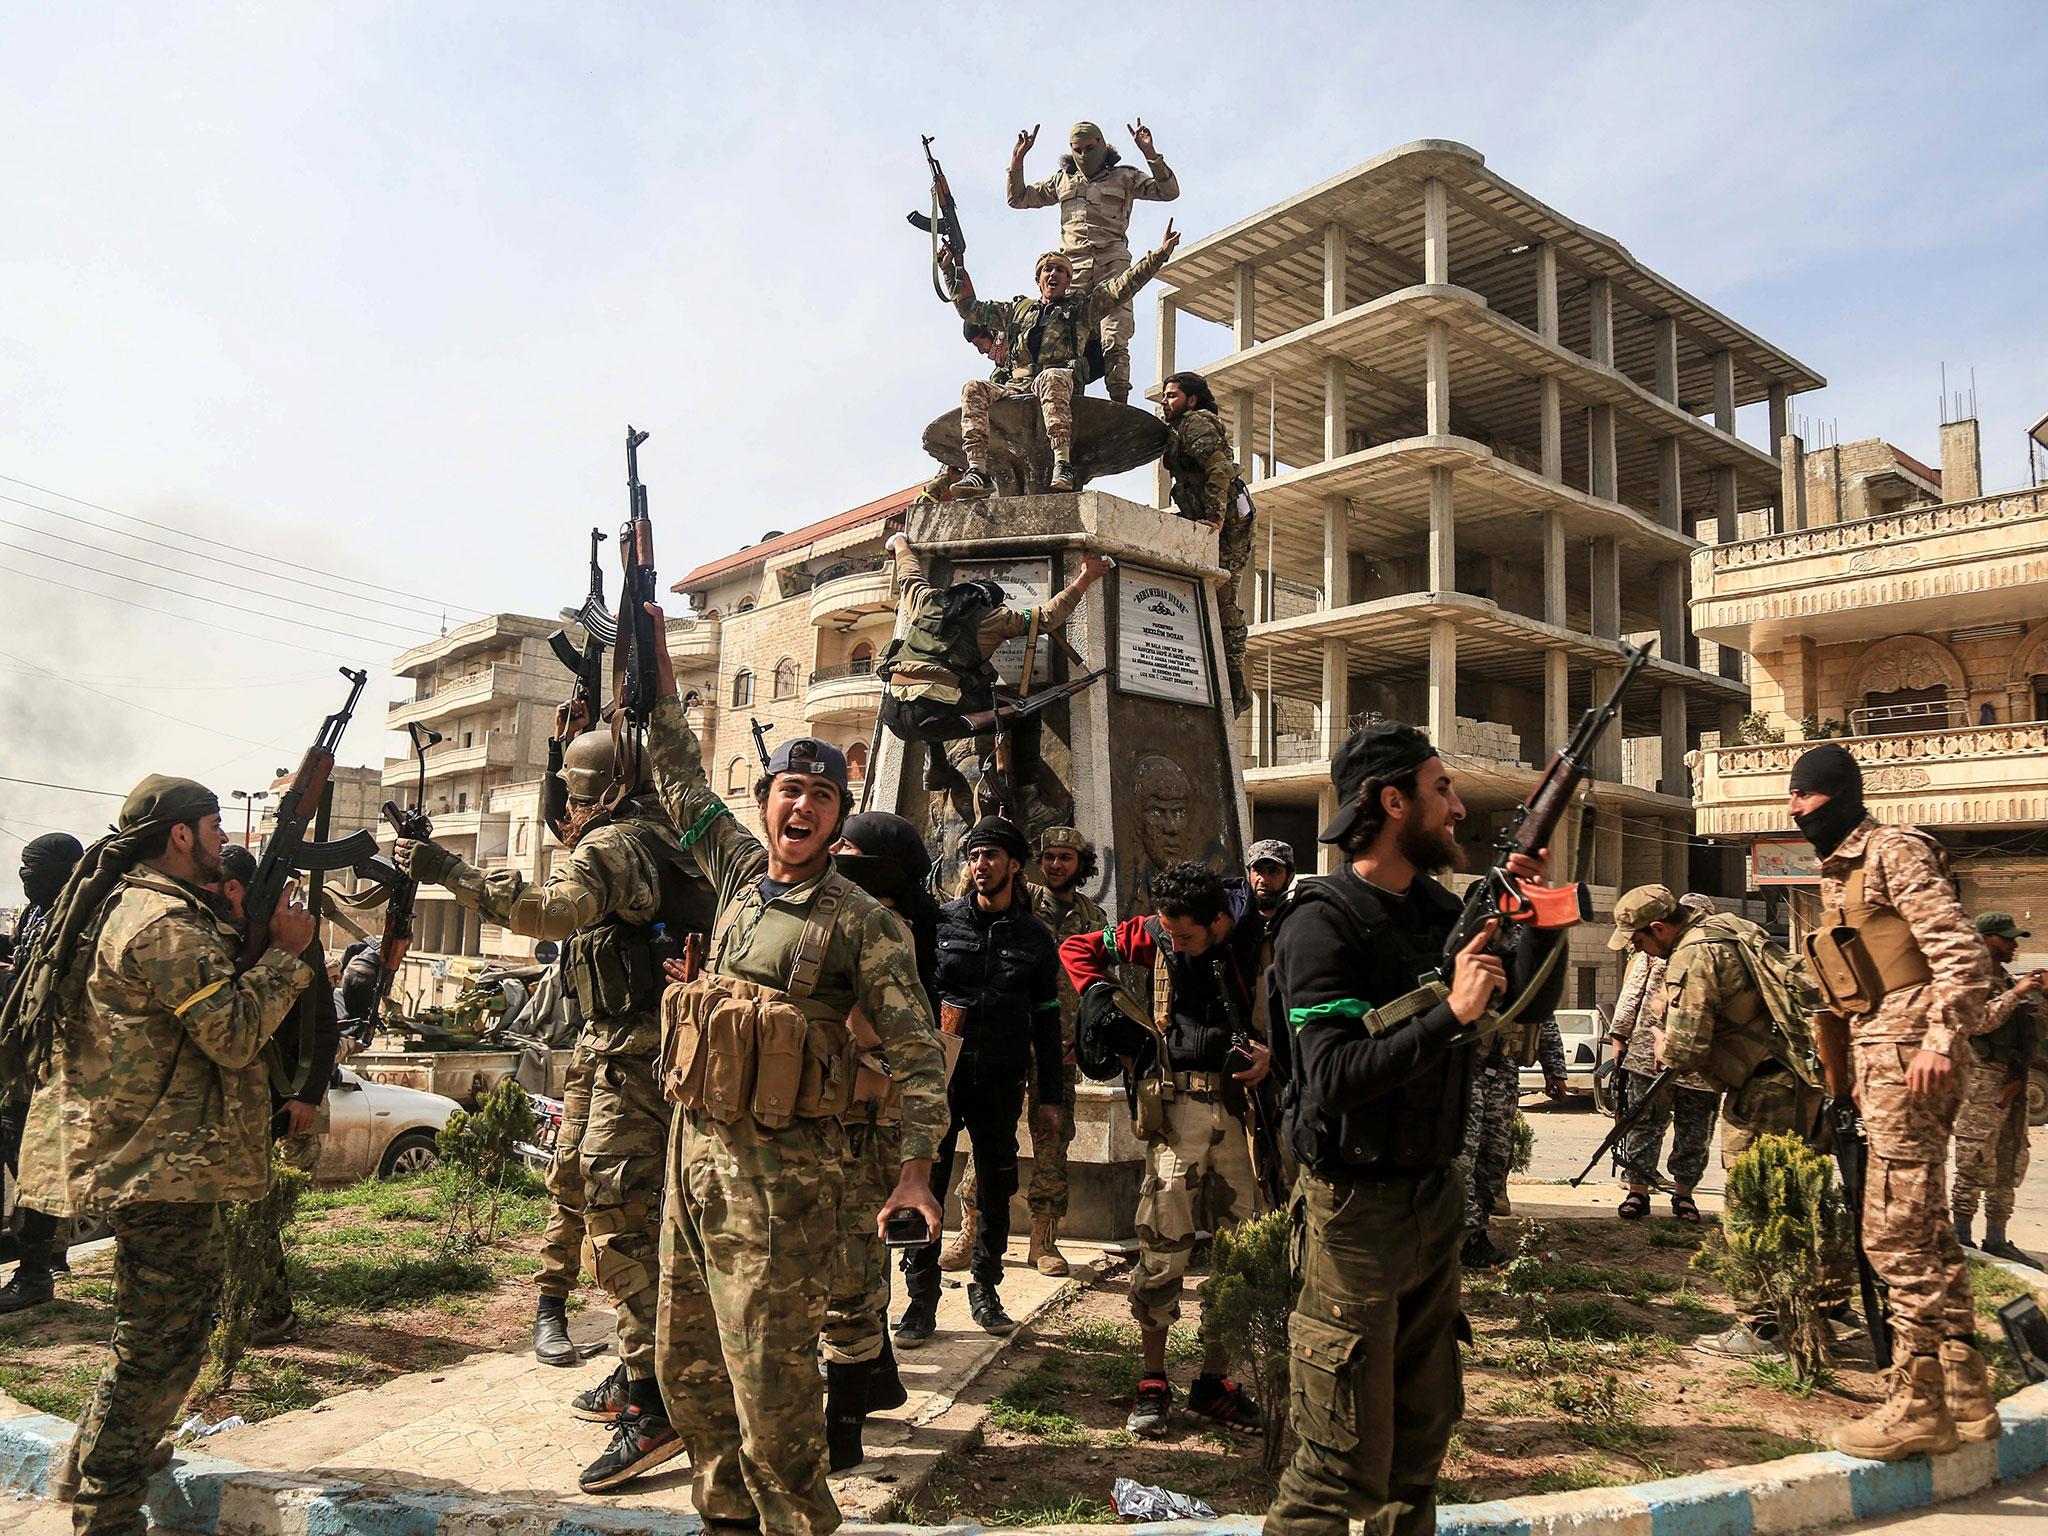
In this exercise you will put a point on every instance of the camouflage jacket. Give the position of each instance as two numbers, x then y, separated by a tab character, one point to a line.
1095	211
1066	917
1713	1011
1055	335
2012	1026
1638	1013
1905	870
1198	457
869	960
908	680
157	1088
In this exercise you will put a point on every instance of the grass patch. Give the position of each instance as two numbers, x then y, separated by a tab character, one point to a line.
276	1386
1673	1235
1686	1304
1993	1287
1078	1510
1782	1374
1601	1412
1027	1407
101	1291
1587	1317
1570	1478
62	1393
373	1284
1099	1333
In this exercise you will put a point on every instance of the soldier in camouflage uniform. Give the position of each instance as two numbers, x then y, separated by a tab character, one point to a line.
1094	193
1208	489
155	1110
1991	1127
1690	1104
1492	1103
1047	342
1066	862
1892	886
626	872
751	1222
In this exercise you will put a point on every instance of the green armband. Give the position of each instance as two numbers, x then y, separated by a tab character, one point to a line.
702	824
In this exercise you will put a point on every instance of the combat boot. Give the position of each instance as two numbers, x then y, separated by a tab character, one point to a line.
31	1286
985	1306
846	1406
885	1382
1044	1254
551	1344
956	1255
1063	477
1913	1420
914	1329
1967	1385
1963	1232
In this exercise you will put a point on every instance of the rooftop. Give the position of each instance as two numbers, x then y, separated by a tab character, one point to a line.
782	543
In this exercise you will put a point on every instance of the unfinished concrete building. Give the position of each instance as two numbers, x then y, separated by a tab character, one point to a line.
1484	441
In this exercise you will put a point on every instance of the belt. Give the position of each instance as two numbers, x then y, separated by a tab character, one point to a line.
1198	1082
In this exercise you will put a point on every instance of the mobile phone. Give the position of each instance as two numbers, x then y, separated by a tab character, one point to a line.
906	1229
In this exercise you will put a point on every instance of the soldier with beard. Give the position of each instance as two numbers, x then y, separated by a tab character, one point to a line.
46	863
153	1108
1269	867
625	875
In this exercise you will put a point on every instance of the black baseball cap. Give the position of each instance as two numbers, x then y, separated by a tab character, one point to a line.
806	754
1379	749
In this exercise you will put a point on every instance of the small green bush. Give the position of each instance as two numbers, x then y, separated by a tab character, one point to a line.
1785	1217
1245	1303
481	1153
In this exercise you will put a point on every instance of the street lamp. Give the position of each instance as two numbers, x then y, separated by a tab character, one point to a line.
248	797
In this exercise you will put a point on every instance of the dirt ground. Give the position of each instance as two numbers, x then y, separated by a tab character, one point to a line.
1581	1375
378	1290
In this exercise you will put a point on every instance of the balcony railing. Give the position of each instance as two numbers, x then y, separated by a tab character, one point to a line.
855	590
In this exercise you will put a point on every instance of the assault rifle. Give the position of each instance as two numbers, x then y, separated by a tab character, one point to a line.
760	740
289	849
1261	1102
1008	712
634	657
943	225
1497	894
600	633
1852	1157
1625	1120
416	826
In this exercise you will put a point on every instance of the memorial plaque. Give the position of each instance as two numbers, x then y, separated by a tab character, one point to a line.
1159	651
1025	582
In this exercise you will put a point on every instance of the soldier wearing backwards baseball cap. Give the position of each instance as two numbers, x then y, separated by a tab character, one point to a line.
1991	1127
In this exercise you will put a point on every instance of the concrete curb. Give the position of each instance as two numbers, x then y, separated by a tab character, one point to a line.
206	1497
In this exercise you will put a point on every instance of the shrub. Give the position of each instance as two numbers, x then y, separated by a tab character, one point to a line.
481	1155
252	1238
1245	1302
1785	1216
1757	730
1524	1144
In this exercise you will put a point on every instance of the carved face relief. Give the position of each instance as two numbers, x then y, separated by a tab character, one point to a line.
1163	798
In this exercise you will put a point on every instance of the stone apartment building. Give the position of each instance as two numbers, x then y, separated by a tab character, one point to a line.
1485	443
1901	608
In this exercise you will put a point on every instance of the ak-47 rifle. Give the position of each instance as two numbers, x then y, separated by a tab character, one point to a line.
943	225
1625	1120
634	657
1261	1105
600	634
1852	1160
1008	712
1497	894
416	826
289	849
760	739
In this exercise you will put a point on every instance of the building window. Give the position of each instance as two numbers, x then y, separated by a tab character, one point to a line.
746	605
862	661
462	801
785	679
742	689
857	761
736	776
469	738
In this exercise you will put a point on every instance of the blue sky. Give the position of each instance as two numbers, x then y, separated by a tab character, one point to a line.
375	288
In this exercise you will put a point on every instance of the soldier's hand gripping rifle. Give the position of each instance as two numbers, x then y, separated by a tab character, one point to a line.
634	657
1498	896
416	826
289	849
943	225
1626	1121
586	665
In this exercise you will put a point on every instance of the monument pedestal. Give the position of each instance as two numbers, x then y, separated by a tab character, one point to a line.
1144	760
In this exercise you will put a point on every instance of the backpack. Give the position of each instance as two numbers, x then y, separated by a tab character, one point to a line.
1790	998
933	640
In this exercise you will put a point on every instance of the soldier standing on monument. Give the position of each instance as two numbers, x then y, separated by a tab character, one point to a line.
1889	910
1991	1128
1095	192
1208	489
154	1110
751	1219
626	877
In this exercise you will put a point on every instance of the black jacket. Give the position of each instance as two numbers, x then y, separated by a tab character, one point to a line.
1002	968
1394	1105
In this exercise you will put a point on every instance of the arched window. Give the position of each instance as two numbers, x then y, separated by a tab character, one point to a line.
742	689
857	761
736	776
862	661
692	699
785	679
746	605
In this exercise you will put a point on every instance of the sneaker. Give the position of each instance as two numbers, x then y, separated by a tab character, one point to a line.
1479	1251
1152	1410
265	1331
603	1403
919	1321
28	1288
986	1308
1740	1343
975	483
1063	478
2003	1247
641	1441
1221	1399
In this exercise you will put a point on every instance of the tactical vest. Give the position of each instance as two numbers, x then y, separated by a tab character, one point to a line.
932	646
1771	1020
1863	950
611	966
732	1048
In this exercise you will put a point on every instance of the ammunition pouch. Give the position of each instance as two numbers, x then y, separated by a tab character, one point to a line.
1860	951
1107	1028
608	1235
1148	1105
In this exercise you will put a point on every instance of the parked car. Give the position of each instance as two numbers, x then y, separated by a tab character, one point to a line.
377	1128
1582	1030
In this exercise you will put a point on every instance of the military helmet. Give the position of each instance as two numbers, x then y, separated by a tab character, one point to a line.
587	765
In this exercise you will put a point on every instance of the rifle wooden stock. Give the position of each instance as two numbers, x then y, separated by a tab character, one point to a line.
1831	1041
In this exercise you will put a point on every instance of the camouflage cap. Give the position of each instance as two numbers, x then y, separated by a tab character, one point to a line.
1054	259
161	798
1062	837
1639	908
1270	850
2001	925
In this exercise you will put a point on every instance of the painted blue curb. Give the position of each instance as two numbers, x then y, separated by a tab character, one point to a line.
200	1495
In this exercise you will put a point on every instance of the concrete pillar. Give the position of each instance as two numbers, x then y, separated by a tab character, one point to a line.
1780	514
1443	532
1436	232
1607	755
1550	427
1600	298
1607	588
1724	392
1242	431
1725	501
1665	383
1443	685
1962	461
1437	378
1546	291
1336	553
1336	694
1792	482
1162	481
1604	479
1335	254
1671	625
1670	493
1671	726
1677	855
1258	733
1556	590
1335	372
1329	857
1557	700
1607	830
1779	400
1244	314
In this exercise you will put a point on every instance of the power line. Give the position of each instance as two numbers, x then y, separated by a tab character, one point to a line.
219	544
70	789
172	613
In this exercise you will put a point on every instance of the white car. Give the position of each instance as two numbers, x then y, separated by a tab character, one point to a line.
1582	1030
375	1128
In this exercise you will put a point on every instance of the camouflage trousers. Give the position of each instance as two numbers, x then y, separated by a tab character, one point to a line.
1055	391
1116	327
858	1311
1991	1144
1907	1234
1047	1193
1490	1111
561	1247
748	1235
1198	1177
167	1279
1233	553
1688	1113
1775	1103
620	1162
1550	1049
302	1153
